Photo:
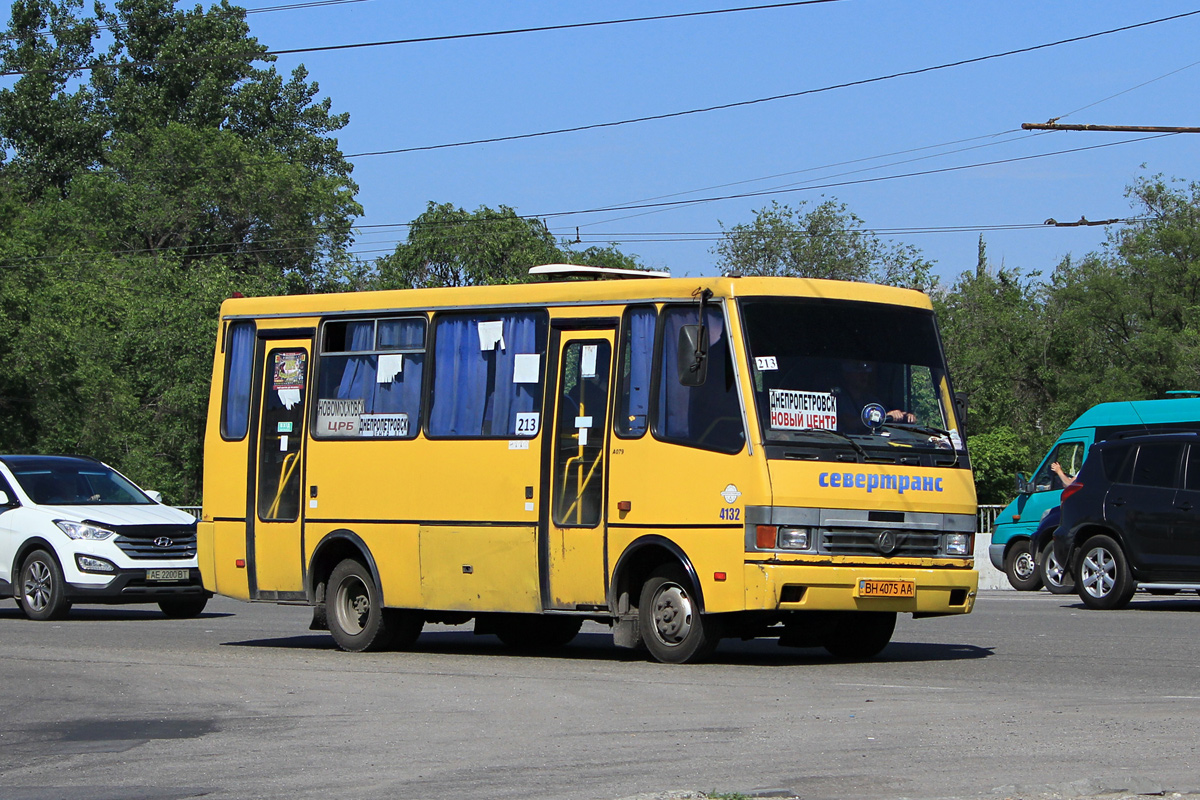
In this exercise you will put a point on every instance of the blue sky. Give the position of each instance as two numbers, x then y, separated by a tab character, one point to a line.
433	93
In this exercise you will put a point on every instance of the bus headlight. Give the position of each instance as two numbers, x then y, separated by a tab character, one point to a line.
959	544
793	538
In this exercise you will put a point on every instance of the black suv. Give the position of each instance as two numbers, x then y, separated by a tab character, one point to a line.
1130	521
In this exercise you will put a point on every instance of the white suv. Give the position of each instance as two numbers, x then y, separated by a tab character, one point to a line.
73	529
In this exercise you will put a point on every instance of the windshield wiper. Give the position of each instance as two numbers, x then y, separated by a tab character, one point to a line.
915	428
838	434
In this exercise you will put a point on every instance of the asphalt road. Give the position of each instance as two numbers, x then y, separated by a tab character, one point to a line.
1031	694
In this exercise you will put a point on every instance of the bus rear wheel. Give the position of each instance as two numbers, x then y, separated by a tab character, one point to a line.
861	634
670	622
356	616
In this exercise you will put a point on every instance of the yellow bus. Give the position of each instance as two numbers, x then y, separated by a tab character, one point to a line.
683	459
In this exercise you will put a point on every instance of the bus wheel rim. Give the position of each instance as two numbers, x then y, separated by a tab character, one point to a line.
353	606
672	614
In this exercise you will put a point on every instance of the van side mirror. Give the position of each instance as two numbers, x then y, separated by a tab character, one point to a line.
1023	484
961	402
692	355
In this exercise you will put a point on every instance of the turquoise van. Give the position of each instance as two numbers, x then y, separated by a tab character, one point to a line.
1018	520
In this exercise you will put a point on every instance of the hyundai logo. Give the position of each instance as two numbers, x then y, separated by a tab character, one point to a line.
886	542
163	541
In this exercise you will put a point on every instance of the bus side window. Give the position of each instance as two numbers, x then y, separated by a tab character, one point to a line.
637	369
239	374
707	416
370	378
488	374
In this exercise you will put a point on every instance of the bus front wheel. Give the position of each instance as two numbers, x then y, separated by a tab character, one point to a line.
672	627
356	616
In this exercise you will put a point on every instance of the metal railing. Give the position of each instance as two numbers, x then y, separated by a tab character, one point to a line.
987	518
193	510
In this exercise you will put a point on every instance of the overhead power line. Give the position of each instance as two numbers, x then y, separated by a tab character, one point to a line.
831	185
772	98
429	39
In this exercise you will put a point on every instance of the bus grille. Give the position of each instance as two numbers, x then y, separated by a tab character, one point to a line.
844	542
156	541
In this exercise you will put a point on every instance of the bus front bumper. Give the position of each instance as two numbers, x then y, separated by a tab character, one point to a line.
804	587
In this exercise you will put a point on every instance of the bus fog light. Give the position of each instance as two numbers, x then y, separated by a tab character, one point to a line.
90	564
958	544
793	538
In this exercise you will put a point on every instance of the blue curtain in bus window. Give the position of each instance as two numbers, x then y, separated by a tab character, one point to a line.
673	397
508	398
635	386
460	378
358	373
402	394
240	351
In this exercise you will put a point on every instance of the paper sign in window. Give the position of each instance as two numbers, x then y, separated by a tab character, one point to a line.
339	417
797	411
383	425
528	423
526	367
289	397
491	335
587	361
390	365
766	363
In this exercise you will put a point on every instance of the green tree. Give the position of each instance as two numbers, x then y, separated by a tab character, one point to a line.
449	246
827	241
210	175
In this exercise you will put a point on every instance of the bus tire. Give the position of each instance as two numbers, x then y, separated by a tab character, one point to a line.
672	627
534	632
861	634
356	615
41	588
1021	568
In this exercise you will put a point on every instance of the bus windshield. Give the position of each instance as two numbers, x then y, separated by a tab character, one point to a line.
869	373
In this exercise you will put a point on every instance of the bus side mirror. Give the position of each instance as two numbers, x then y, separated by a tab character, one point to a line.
1022	484
692	355
960	409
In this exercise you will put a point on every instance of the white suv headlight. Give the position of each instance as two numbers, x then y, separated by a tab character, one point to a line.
83	530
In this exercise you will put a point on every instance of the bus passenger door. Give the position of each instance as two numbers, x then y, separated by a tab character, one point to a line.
575	530
276	568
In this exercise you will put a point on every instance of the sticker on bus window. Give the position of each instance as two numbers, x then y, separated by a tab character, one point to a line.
797	411
491	335
287	377
766	363
587	361
527	368
339	417
528	423
390	365
383	425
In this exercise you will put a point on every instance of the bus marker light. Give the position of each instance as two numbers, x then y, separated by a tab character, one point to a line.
624	505
718	576
240	563
764	536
